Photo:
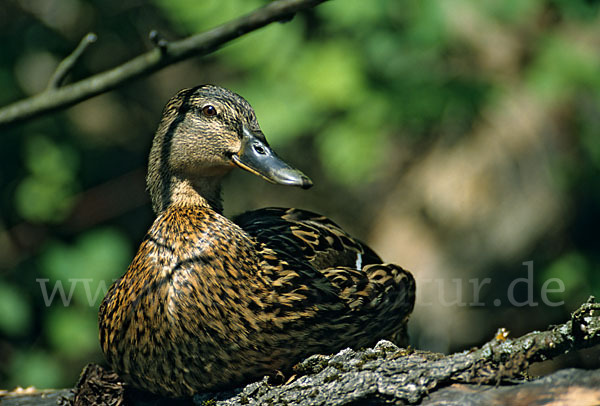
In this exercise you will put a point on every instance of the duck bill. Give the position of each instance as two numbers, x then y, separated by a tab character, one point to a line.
257	157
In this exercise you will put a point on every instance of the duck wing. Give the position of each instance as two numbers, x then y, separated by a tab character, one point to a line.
314	261
308	236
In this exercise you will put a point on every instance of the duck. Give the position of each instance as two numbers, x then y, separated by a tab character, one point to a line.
211	303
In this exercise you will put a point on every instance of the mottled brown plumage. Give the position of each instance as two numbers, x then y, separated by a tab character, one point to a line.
210	303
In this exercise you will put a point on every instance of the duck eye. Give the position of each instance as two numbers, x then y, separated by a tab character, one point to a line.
209	111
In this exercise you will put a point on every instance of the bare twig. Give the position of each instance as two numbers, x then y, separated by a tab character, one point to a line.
53	99
63	68
158	40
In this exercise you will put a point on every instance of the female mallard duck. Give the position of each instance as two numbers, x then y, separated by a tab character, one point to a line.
208	302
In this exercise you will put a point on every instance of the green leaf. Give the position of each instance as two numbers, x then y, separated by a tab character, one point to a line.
47	193
35	368
38	200
331	75
355	14
196	16
72	333
51	161
350	149
15	311
283	111
562	67
573	270
88	267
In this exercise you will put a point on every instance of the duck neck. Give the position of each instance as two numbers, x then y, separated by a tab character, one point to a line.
203	192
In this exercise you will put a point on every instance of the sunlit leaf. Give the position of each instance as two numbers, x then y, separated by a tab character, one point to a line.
331	74
563	67
350	151
196	16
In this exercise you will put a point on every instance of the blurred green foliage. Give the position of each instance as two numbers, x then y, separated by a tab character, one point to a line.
46	193
338	88
576	272
15	311
563	67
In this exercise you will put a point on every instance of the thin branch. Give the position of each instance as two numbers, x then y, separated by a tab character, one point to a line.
66	66
167	53
508	358
158	40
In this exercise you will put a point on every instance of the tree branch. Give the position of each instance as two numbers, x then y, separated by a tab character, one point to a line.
63	68
164	54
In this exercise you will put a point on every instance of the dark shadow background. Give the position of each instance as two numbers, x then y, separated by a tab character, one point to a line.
460	139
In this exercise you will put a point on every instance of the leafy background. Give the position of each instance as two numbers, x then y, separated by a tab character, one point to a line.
460	139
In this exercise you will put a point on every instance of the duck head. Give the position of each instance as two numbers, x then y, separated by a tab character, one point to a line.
204	133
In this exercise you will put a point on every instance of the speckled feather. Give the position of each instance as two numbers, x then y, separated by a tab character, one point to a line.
210	303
